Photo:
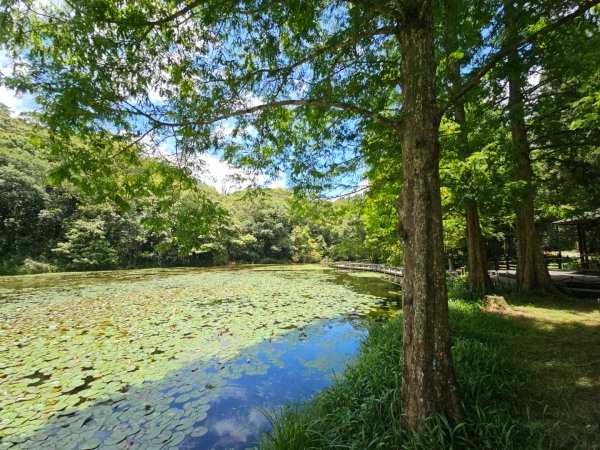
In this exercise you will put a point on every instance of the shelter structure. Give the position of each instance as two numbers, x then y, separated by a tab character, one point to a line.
583	224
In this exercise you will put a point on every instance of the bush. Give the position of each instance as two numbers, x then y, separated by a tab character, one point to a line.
86	247
458	288
31	266
571	264
272	261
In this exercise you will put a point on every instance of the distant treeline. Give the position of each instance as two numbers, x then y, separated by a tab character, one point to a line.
69	224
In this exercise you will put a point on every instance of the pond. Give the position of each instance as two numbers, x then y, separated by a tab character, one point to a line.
172	358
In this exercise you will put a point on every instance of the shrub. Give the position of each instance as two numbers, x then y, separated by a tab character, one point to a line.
31	266
458	288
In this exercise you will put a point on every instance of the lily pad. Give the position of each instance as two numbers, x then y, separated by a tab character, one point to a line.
148	353
199	431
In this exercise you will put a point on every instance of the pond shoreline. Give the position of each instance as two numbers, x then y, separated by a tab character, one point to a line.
166	346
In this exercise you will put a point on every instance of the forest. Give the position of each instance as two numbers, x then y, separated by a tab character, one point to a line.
50	223
422	134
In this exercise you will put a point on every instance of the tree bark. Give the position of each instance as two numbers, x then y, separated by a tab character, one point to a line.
428	381
479	278
532	273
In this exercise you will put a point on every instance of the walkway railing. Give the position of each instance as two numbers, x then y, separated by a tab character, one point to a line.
395	274
369	267
383	268
579	285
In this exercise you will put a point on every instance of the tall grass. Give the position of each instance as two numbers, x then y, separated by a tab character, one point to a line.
362	410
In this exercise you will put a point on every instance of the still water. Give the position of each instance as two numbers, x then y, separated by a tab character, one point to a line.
183	358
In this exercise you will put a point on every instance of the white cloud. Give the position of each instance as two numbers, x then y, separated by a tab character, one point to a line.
155	96
211	170
279	182
239	427
250	100
16	103
226	178
534	76
224	129
302	86
9	98
360	189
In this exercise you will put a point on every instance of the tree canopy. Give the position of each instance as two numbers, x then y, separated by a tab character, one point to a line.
320	89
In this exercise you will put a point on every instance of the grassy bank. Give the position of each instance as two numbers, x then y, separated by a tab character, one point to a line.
528	380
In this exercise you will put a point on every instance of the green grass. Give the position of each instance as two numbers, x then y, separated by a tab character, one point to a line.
527	380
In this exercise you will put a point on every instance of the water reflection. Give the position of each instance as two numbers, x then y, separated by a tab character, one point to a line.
306	366
213	403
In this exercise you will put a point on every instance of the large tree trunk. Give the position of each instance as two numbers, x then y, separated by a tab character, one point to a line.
428	382
532	273
479	278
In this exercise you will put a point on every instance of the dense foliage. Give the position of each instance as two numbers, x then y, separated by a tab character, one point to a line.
54	222
325	90
48	224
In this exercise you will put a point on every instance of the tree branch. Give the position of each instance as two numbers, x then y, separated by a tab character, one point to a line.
389	122
150	23
307	102
183	11
335	45
379	6
505	50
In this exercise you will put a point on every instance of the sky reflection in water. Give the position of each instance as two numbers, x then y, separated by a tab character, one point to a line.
307	366
147	388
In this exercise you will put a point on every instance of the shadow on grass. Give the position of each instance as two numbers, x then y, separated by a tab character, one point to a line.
556	344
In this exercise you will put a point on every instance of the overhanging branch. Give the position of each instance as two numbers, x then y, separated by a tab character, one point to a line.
344	106
183	11
505	50
332	46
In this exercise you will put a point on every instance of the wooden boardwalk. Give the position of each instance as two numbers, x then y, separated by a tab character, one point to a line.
396	272
570	282
368	267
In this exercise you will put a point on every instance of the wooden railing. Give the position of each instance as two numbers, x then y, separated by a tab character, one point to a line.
578	285
511	263
383	268
369	267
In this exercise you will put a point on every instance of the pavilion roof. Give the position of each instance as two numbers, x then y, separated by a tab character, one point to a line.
588	218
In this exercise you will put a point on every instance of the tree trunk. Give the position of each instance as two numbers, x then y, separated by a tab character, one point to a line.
479	278
428	382
532	273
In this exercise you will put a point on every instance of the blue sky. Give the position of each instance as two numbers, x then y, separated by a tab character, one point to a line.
17	103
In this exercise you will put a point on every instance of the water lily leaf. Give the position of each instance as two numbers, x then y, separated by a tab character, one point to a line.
199	431
95	355
176	438
116	437
90	444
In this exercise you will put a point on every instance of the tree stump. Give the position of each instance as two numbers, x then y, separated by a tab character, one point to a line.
496	304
